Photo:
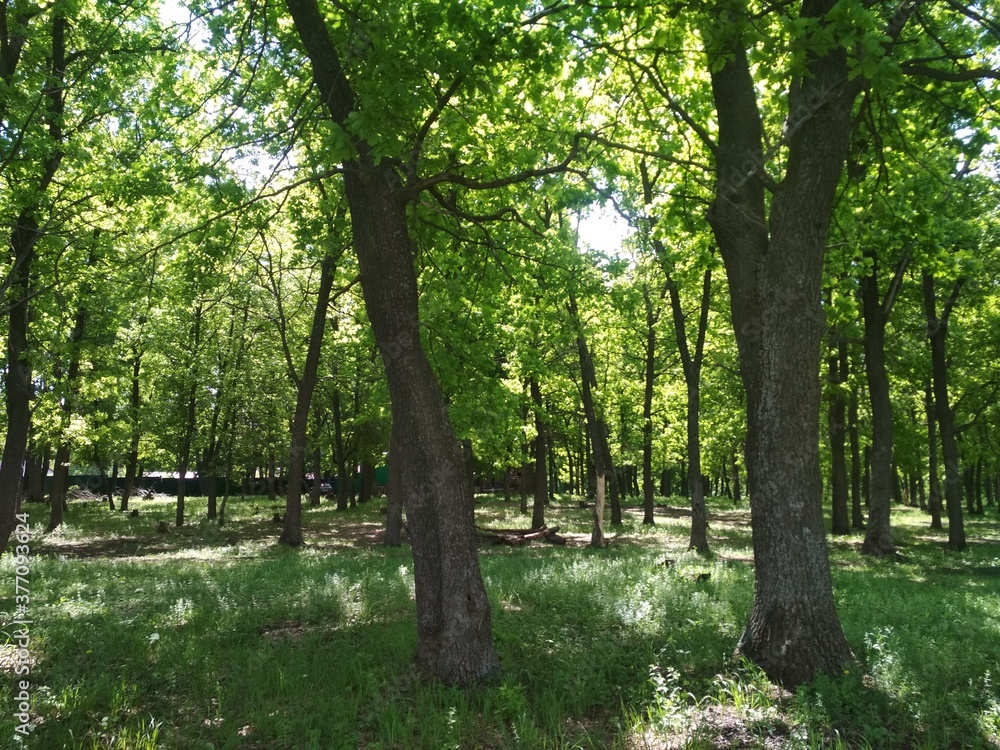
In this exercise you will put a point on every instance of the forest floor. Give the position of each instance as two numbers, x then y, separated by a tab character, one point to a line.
208	637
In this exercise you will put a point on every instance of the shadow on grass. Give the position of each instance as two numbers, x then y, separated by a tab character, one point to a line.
313	648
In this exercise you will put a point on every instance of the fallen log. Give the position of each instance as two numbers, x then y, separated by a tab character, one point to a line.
521	536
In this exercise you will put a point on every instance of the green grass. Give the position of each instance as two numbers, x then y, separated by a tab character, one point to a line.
209	638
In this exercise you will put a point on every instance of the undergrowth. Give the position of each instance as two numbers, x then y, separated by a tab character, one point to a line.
218	638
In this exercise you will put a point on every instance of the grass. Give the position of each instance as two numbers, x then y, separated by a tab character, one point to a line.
209	638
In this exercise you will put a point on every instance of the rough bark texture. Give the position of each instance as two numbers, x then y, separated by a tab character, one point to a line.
24	234
395	496
774	265
937	332
291	532
836	422
878	536
454	631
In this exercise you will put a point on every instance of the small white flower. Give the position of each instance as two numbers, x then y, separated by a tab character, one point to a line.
153	638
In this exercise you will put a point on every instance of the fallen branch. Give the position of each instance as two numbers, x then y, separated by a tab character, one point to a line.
521	536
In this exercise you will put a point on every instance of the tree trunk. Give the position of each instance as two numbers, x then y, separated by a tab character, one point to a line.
395	496
735	468
648	501
837	363
367	481
878	536
187	438
317	481
538	508
603	467
135	402
338	428
57	499
775	266
291	532
37	471
454	631
937	332
857	517
691	362
60	480
24	234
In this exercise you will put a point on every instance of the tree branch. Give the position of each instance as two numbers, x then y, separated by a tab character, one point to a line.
952	76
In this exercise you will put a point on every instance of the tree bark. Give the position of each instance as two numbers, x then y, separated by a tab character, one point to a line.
878	536
317	472
134	404
338	431
649	383
60	479
538	507
937	332
692	376
187	437
24	234
291	532
454	631
774	266
837	364
395	495
596	427
857	517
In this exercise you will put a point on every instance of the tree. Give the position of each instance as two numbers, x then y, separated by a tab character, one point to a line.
596	426
774	265
937	333
453	621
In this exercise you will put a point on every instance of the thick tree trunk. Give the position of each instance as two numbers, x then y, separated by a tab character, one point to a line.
453	612
454	631
291	532
24	234
18	389
836	423
878	536
775	265
937	332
